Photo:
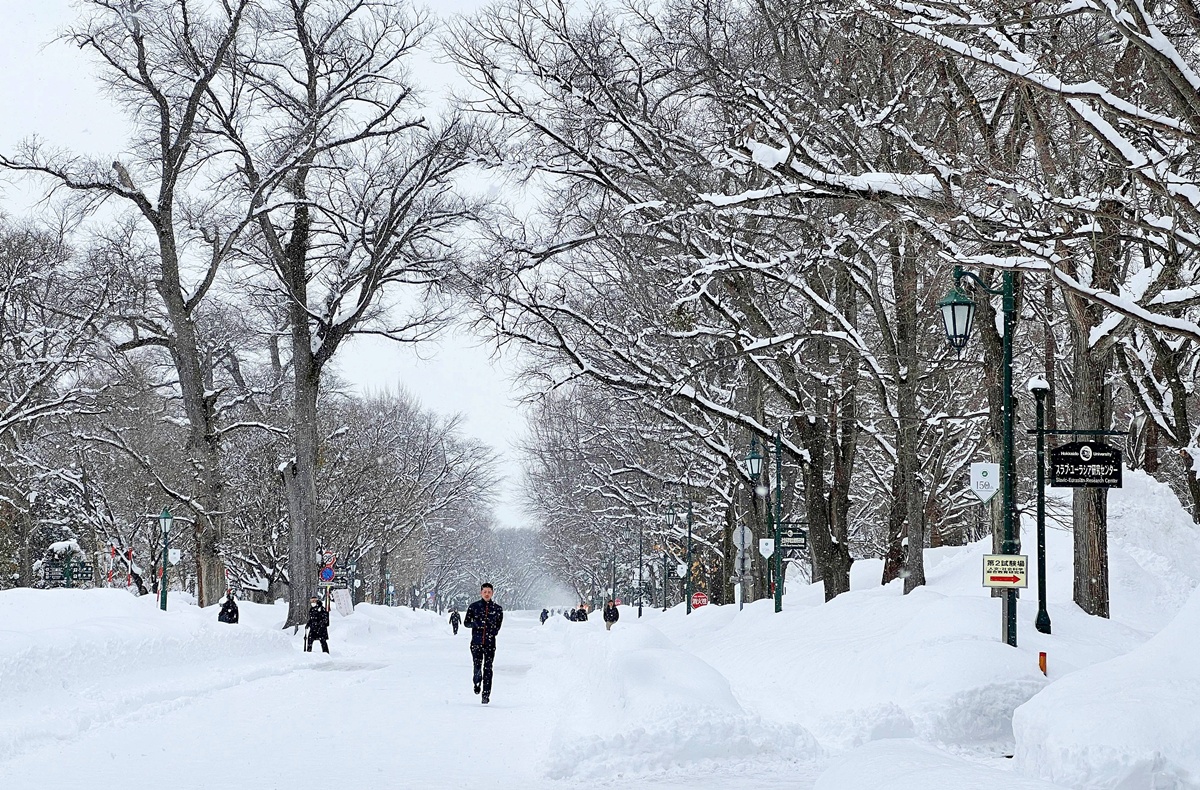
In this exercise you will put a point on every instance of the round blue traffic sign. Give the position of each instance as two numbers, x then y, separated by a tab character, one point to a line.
327	574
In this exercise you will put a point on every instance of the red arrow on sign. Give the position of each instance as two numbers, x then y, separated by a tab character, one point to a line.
1013	579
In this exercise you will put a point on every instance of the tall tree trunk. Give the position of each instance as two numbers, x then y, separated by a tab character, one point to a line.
301	476
1091	408
199	406
904	276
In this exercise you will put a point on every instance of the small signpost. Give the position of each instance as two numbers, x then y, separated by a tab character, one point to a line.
1006	570
68	572
326	574
743	538
680	570
174	555
985	480
766	547
793	537
1085	465
699	599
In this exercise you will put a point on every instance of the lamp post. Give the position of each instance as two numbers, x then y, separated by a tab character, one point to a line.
164	523
641	562
1040	389
687	587
753	465
958	314
671	516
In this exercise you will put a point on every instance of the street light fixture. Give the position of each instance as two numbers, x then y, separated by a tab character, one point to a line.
958	313
753	460
164	523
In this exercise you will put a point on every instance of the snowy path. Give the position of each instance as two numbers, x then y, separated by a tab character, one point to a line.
385	711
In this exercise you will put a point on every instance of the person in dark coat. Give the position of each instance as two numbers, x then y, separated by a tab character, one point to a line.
229	609
545	616
454	620
484	618
611	615
317	627
581	614
569	614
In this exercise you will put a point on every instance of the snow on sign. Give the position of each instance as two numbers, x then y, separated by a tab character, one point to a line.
1005	570
985	480
1085	465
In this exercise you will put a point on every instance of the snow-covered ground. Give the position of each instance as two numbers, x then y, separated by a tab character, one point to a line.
875	690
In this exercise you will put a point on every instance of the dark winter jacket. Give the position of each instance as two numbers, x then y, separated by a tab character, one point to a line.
581	614
611	615
454	619
318	622
545	615
484	618
229	611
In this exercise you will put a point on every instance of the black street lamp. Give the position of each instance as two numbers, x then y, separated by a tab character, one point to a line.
164	523
1040	389
671	516
958	314
641	563
753	464
687	587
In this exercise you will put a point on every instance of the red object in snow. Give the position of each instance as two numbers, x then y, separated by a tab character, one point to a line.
699	599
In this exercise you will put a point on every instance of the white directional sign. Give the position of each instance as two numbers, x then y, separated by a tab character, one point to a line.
173	556
985	480
742	537
1005	570
766	547
680	569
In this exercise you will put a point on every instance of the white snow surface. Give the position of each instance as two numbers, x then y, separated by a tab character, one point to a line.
873	691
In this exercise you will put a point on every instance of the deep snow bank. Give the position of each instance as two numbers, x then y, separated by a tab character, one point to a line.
632	703
1132	722
875	664
72	660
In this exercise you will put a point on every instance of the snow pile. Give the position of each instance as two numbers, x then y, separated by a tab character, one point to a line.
910	765
372	623
1131	722
634	704
875	664
75	660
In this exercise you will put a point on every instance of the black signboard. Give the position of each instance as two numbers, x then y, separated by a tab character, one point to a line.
793	537
81	572
53	572
1085	465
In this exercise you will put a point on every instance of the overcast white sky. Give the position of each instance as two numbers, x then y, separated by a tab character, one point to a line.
46	89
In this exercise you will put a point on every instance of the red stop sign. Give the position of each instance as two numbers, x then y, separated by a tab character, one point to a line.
699	599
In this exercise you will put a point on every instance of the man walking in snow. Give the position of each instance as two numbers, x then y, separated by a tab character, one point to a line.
611	615
454	620
229	608
318	625
484	618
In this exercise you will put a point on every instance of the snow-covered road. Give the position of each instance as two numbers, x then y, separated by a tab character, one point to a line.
390	708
